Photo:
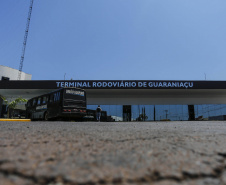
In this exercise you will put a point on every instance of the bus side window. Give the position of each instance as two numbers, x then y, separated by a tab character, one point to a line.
44	100
56	96
28	104
51	98
34	102
39	101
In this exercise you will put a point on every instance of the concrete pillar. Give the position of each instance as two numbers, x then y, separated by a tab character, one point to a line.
191	112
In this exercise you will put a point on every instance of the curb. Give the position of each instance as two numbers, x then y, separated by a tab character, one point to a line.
15	120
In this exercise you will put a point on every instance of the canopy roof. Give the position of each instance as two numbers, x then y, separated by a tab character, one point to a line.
124	92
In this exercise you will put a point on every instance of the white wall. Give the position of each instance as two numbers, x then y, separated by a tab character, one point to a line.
12	74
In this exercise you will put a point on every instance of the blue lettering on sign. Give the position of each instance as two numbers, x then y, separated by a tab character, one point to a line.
126	84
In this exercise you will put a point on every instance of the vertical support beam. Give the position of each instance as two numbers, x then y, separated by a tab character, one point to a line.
191	112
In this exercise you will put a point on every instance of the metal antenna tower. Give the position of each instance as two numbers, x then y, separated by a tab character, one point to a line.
25	40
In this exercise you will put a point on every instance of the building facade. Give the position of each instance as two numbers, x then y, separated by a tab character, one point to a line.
146	100
8	73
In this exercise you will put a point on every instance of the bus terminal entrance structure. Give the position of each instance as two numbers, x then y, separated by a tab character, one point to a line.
144	100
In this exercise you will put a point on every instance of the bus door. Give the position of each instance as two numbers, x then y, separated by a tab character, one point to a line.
38	113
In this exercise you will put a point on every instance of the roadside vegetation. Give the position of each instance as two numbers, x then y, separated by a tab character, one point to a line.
11	104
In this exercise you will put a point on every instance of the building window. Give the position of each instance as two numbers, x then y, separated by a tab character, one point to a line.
5	78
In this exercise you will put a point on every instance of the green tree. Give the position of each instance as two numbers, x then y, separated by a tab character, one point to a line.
12	104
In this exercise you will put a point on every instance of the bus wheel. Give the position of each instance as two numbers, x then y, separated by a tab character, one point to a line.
46	116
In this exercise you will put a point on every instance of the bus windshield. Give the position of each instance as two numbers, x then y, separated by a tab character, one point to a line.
74	98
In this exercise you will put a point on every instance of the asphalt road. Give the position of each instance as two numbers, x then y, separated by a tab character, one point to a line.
159	153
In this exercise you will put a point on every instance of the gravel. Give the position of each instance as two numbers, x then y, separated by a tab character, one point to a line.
80	153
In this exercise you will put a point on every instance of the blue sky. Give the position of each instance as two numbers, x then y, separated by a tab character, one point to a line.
116	39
